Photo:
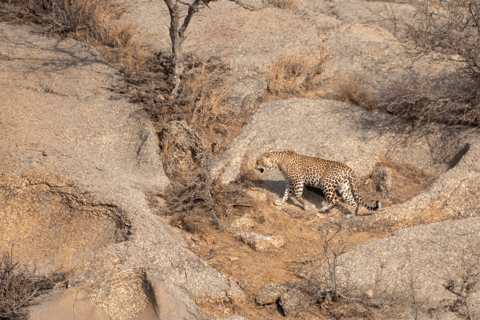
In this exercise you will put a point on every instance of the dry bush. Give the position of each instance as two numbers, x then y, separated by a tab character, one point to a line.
395	182
292	73
335	297
18	287
201	203
202	95
95	21
200	100
413	99
352	89
465	286
447	31
94	18
290	5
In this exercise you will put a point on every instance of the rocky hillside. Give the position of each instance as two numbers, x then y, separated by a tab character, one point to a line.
116	205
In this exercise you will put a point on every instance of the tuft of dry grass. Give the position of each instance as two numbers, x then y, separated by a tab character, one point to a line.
290	5
293	73
352	89
97	22
18	287
202	95
99	19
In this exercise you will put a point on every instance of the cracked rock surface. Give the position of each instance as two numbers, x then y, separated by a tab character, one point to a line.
75	163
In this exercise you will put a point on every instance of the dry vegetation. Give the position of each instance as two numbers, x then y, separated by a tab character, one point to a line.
18	287
395	182
413	99
292	74
290	5
352	89
96	22
77	18
200	101
451	32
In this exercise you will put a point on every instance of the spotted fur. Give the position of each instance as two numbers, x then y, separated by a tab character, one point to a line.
330	176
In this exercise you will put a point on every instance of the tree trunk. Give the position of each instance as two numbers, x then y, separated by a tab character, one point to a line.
177	42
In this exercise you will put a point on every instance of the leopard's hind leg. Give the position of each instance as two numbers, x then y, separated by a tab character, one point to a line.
331	197
344	188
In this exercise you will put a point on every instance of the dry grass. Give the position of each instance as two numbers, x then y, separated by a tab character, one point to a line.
18	287
202	95
415	99
351	89
99	19
200	102
290	5
291	74
97	22
394	182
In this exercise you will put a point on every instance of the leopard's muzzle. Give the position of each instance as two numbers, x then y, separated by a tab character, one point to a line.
260	168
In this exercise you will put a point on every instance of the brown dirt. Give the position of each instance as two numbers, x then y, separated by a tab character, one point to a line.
304	247
407	181
254	269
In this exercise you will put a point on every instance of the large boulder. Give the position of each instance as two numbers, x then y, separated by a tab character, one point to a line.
357	36
431	270
75	164
345	133
241	38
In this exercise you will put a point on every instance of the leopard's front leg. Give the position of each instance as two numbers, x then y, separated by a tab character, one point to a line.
298	186
288	191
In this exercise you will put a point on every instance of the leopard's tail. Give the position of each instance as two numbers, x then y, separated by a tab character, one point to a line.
353	187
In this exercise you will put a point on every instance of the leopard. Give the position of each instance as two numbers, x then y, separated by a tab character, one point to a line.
329	176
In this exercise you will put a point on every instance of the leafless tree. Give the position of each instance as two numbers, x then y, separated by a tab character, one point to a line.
178	29
328	232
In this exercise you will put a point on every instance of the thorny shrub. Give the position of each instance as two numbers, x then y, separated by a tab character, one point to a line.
465	286
323	285
413	99
197	202
200	101
447	31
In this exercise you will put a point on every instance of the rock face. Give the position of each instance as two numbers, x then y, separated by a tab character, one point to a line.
75	162
415	266
240	37
341	132
356	34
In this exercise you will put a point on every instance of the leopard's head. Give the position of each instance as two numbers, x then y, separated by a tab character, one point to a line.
268	160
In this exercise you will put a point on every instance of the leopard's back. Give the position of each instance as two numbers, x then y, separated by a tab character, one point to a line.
315	172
